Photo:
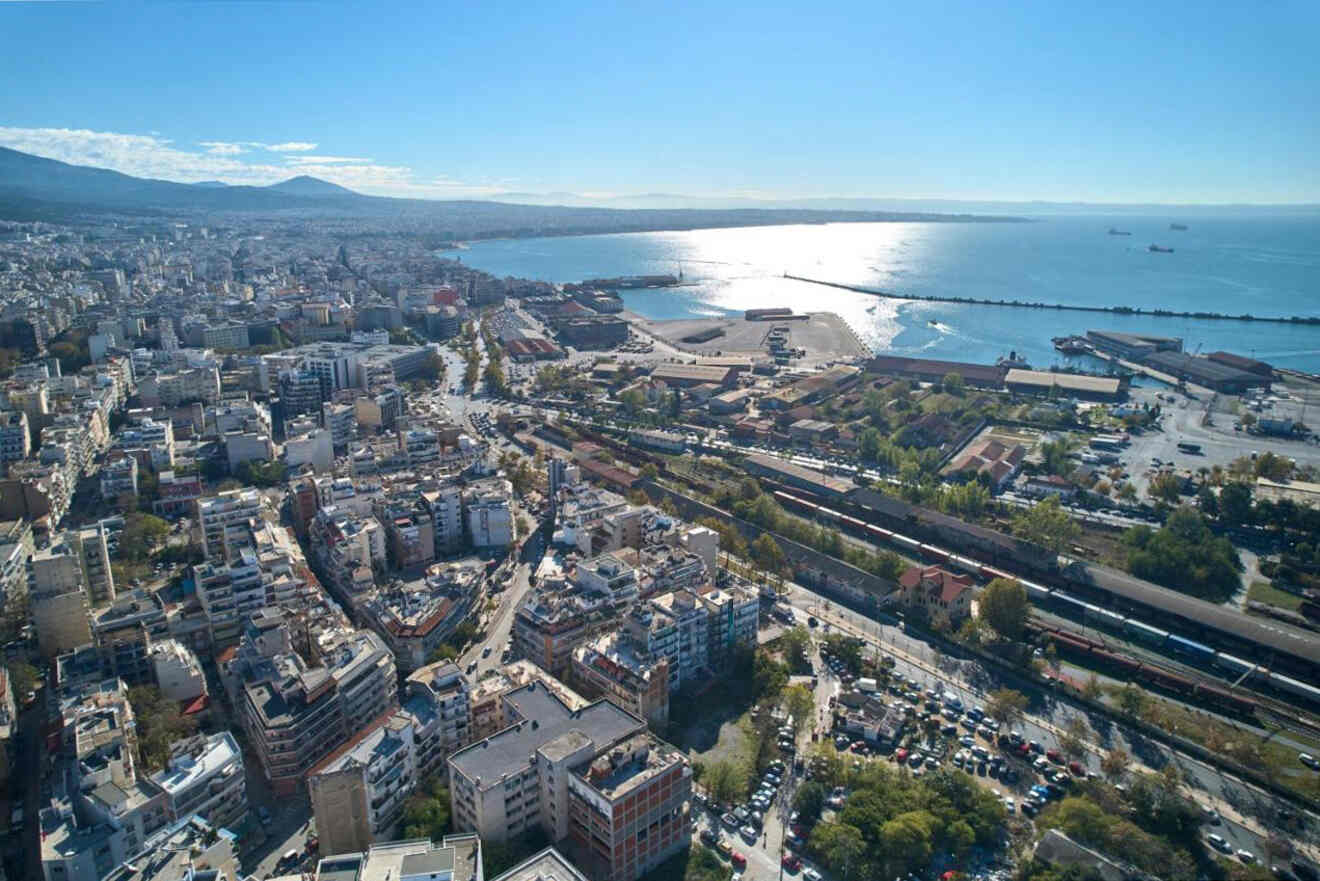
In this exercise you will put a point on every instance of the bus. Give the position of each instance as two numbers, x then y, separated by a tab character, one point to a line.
1184	447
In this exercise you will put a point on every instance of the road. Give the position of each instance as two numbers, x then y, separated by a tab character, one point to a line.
499	626
915	659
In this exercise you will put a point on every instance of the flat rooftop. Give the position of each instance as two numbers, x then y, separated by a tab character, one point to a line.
548	865
545	717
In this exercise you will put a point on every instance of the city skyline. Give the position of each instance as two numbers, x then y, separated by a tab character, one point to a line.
740	104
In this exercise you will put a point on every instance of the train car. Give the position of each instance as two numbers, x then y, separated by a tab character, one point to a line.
1036	593
1190	649
1069	604
1111	621
905	541
933	553
1235	666
1291	686
1145	634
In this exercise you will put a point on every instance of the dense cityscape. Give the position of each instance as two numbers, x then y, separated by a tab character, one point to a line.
333	557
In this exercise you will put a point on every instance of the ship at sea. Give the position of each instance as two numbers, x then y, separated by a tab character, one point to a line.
1071	345
1013	360
1118	232
1159	249
1179	227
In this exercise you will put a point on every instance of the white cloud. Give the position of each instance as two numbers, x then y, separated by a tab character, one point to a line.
222	148
156	157
328	160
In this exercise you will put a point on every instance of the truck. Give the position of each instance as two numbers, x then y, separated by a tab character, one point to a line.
784	612
1190	448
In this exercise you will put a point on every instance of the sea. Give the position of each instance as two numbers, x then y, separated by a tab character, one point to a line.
1261	266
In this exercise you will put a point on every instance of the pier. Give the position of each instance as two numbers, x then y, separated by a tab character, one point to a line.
1063	307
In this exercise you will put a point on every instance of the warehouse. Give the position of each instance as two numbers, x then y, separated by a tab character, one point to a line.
1040	382
797	476
925	370
685	375
1134	346
1204	372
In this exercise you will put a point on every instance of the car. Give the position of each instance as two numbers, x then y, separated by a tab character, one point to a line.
1309	761
790	861
1035	747
724	849
1029	809
1010	806
1246	856
967	740
1054	756
758	819
708	837
1077	769
749	832
811	621
949	730
811	875
730	820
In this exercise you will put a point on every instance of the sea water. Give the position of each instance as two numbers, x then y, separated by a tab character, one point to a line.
1262	266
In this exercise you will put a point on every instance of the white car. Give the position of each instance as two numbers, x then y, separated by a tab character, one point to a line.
1246	856
811	875
1010	806
1219	844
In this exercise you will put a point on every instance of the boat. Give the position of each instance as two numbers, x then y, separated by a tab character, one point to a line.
1179	227
1071	345
870	309
1013	360
1159	249
1118	232
933	323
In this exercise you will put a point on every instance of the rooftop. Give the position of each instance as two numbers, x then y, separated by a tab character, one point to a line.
545	718
548	865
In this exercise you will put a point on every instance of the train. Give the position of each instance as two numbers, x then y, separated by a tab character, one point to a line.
1132	669
1232	667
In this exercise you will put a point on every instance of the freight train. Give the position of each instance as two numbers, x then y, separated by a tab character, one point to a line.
1191	652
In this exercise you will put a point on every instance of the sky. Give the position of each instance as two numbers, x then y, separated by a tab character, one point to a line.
1173	102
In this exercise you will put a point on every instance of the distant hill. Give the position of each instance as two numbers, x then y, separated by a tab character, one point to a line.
35	188
306	185
210	183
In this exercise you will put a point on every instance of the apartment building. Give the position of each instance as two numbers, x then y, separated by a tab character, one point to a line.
455	858
672	626
58	596
223	518
124	633
416	617
626	809
611	667
733	616
15	438
439	699
178	674
554	620
93	544
359	790
489	518
517	779
205	777
119	478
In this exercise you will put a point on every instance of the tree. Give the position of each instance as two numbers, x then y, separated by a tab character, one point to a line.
798	701
159	725
809	801
1072	742
23	678
1006	705
767	553
1131	700
952	383
1114	764
725	781
908	839
1047	524
1235	504
1005	607
426	813
1092	688
1185	555
840	846
1165	487
768	676
1080	819
141	534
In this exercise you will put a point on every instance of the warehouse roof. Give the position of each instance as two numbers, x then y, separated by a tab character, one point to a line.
1069	382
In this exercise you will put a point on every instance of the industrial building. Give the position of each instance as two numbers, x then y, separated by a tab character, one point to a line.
1211	374
1133	346
1072	385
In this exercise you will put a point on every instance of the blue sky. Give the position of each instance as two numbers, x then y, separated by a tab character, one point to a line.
1106	102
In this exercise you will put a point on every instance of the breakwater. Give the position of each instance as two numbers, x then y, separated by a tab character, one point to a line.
1062	307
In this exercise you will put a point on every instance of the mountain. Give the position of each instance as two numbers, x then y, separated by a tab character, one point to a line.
210	183
306	185
35	188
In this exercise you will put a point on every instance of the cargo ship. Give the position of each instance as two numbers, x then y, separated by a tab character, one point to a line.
1179	227
1159	249
1118	232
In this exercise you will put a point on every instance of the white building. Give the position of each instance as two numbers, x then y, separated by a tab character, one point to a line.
178	673
206	777
219	515
489	519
